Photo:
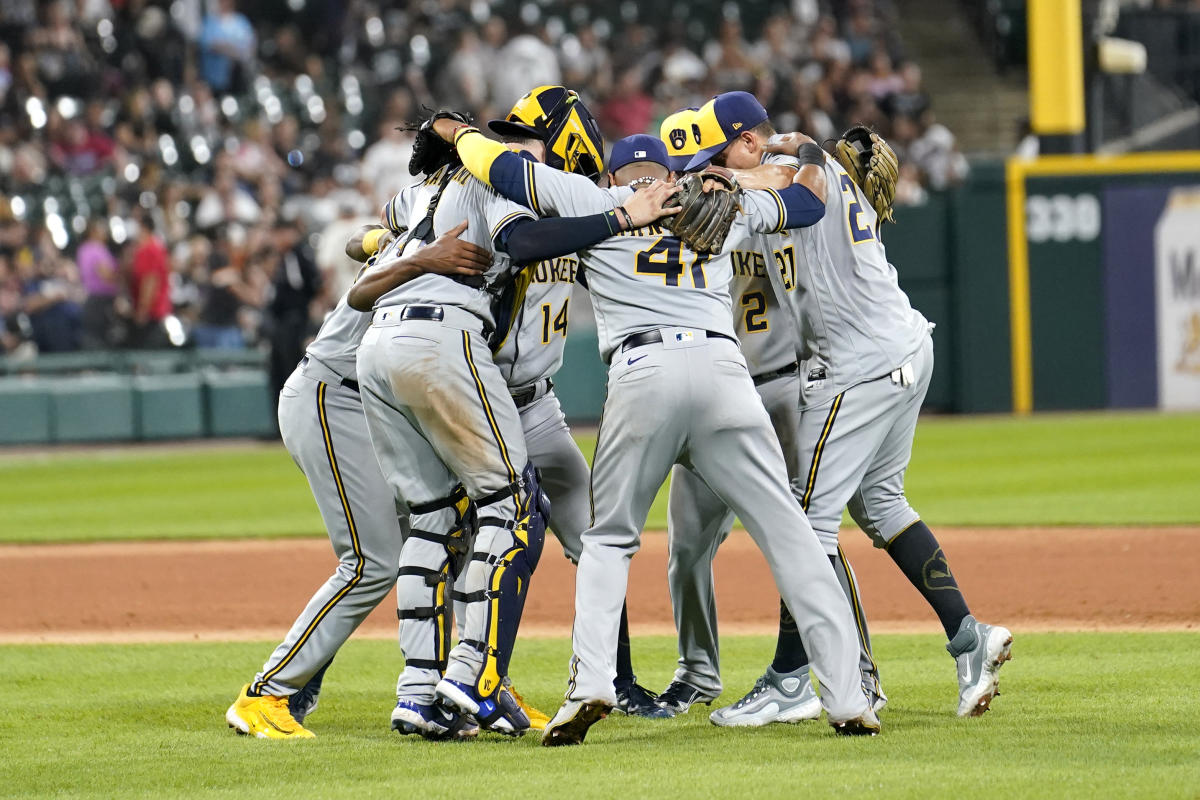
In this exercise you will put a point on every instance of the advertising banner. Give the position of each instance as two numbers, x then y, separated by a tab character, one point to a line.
1177	287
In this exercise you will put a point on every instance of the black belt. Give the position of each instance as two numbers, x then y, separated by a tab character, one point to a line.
526	396
349	383
762	378
433	313
655	337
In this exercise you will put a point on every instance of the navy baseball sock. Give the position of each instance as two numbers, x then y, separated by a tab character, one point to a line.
624	656
790	654
919	556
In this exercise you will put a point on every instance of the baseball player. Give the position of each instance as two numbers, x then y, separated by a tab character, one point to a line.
449	439
532	353
697	520
678	391
324	430
866	361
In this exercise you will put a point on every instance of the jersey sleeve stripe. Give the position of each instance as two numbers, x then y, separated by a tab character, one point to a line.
507	220
779	205
531	188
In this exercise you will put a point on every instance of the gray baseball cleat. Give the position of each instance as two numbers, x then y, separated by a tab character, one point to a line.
787	697
980	649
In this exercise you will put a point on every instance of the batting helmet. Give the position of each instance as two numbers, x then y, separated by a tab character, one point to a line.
557	116
681	136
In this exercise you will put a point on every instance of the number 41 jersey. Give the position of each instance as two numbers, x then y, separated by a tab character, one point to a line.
646	278
855	322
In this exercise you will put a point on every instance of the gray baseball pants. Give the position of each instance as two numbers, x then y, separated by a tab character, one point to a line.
440	414
692	402
859	445
698	521
325	431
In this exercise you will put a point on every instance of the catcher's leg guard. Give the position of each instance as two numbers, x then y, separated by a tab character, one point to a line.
434	553
512	531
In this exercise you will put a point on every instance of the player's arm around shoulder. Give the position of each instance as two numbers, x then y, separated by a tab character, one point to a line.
446	255
802	202
545	190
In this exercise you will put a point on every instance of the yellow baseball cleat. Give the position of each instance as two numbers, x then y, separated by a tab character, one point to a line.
266	717
537	720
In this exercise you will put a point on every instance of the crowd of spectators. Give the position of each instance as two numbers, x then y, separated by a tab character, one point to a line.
179	172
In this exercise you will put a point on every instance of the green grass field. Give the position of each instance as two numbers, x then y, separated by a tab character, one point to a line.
1083	469
1082	715
1087	716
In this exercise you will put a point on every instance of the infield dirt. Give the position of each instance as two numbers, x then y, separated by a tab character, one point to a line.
1132	578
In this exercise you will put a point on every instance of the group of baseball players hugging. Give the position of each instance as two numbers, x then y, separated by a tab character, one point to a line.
759	352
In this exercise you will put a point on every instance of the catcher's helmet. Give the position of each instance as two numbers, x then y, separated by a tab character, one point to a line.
557	116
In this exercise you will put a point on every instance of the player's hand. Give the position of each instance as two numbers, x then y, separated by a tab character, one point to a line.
648	203
446	126
450	255
787	143
710	183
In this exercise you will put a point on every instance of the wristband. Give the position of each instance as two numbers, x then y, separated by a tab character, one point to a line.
810	153
462	130
628	217
370	242
613	222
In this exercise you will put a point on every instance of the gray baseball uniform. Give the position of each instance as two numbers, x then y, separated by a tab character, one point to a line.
321	419
698	521
440	417
679	391
866	360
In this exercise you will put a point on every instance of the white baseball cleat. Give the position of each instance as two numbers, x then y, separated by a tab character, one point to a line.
787	697
980	650
570	723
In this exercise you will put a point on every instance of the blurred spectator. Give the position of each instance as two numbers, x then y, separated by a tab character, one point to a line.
149	288
51	296
338	270
385	165
100	275
222	296
295	285
524	62
226	48
207	120
729	58
629	111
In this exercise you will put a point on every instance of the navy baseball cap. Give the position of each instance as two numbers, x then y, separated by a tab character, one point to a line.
721	120
639	147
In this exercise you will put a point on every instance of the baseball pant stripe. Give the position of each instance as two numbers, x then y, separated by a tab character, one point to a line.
487	407
816	460
856	607
354	543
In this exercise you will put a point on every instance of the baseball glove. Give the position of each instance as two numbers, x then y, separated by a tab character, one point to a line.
872	165
430	151
706	217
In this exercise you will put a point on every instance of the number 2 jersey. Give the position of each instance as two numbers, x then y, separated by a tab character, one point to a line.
855	322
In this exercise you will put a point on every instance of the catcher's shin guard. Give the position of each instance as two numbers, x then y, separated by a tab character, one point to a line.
512	531
433	555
